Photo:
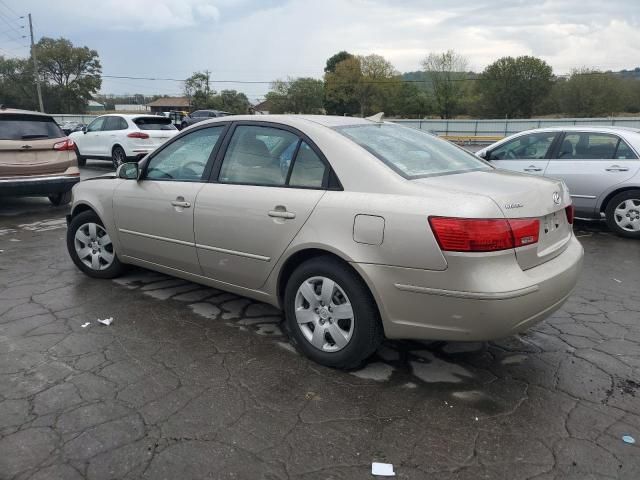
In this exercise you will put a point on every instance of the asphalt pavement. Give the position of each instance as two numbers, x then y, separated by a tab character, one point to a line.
192	382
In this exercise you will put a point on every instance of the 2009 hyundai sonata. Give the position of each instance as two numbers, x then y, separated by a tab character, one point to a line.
357	229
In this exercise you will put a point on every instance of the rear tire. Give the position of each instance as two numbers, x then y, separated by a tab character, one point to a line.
118	156
623	214
82	161
348	310
58	199
90	247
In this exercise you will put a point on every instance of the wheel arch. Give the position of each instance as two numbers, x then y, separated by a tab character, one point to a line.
299	257
82	207
610	195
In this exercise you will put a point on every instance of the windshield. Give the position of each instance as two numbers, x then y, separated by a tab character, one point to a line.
24	127
410	152
154	123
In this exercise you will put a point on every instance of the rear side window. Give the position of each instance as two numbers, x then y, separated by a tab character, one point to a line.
28	127
154	123
588	146
115	123
308	169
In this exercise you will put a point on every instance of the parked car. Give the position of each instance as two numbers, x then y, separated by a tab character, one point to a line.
70	127
36	157
122	138
600	166
201	115
432	243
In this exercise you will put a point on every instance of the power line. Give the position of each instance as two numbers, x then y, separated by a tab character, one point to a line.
9	9
8	21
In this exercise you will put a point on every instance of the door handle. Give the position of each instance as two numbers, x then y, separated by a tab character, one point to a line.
281	212
180	202
616	168
532	168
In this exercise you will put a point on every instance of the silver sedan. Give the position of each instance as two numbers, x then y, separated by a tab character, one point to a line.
600	166
358	229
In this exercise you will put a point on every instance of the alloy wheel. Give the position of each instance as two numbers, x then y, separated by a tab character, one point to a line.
627	215
324	314
93	246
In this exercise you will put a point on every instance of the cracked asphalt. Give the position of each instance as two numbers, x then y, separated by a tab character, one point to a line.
191	382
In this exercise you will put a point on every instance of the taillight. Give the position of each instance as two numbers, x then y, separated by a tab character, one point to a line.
138	135
571	212
483	235
64	145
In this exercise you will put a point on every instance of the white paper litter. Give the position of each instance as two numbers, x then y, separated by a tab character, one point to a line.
85	325
616	280
382	469
106	321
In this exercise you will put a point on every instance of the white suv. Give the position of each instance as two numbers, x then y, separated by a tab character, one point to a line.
120	138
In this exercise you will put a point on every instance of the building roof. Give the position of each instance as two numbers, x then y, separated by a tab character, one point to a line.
263	106
170	102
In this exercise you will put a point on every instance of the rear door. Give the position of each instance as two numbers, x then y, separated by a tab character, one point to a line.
260	199
26	146
113	129
526	153
590	163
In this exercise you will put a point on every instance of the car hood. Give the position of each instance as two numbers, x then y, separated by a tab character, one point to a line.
517	195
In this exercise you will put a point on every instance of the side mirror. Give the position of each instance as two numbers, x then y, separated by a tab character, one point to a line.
128	171
84	129
483	155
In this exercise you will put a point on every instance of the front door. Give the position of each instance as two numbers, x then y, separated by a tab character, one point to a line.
525	153
89	144
268	184
154	215
590	163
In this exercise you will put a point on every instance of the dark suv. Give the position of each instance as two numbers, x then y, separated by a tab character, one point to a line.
36	157
201	115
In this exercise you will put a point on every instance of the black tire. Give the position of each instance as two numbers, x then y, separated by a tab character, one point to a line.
610	213
58	199
367	326
115	269
118	156
82	161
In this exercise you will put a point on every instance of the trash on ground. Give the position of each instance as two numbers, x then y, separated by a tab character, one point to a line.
106	321
629	439
85	325
616	280
382	469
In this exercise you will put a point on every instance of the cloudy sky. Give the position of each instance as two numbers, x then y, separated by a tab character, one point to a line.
261	40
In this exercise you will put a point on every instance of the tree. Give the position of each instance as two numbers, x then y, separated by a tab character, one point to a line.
446	73
361	84
231	101
17	85
300	95
197	90
589	93
71	75
514	87
335	60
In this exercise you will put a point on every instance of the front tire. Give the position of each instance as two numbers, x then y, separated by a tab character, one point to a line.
330	314
118	156
58	199
90	247
623	214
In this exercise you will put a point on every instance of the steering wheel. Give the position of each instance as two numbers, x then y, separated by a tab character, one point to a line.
511	155
191	169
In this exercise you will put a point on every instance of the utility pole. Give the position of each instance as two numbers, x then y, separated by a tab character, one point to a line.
36	73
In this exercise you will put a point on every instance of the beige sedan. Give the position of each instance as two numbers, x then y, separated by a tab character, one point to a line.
357	229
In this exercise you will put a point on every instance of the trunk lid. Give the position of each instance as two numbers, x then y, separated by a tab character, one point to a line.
33	157
520	196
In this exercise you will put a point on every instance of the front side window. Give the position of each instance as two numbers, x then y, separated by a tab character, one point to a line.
410	152
96	125
257	156
525	147
185	159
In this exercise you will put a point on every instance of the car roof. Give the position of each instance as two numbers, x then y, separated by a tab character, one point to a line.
22	112
585	128
131	116
292	120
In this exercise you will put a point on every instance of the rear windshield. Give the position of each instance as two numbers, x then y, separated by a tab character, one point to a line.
154	123
410	152
28	127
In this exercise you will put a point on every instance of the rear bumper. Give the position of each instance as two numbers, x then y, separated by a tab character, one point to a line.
43	185
496	300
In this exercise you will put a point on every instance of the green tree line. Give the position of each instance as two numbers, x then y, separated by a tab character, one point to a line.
510	87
